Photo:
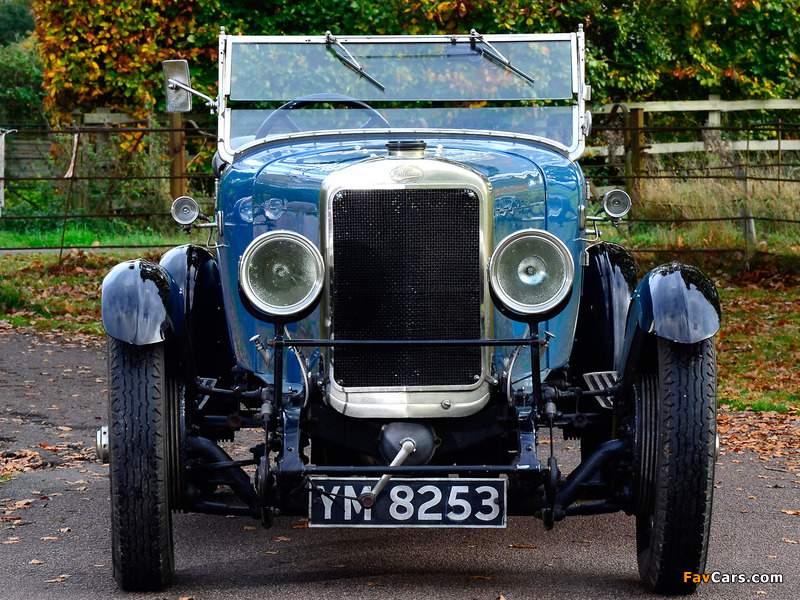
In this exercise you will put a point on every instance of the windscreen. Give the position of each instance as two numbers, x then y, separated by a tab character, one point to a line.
418	71
289	85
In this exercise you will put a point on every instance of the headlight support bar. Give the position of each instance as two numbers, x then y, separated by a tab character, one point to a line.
328	343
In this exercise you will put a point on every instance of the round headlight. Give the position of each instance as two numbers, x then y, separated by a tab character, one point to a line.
531	273
281	274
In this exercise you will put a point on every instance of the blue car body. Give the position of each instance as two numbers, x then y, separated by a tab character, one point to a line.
278	187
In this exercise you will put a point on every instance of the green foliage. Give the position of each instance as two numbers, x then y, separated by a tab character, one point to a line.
108	53
742	48
21	73
16	21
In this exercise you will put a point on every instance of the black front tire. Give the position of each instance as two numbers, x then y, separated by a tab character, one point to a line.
675	445
142	400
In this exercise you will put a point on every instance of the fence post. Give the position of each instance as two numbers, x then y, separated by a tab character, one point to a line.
714	116
636	127
748	223
3	133
780	158
626	147
177	154
70	174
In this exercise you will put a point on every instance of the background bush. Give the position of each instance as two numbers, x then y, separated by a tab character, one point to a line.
16	21
109	53
21	76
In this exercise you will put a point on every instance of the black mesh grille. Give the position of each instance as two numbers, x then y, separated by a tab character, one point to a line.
406	266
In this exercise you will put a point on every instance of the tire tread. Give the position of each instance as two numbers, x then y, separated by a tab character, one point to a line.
684	467
141	518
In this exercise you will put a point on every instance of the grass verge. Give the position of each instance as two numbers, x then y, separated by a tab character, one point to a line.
80	234
39	291
759	345
682	217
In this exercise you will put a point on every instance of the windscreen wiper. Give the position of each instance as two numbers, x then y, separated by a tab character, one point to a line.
350	61
494	55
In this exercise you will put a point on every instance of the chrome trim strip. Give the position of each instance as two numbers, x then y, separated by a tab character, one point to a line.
579	73
399	404
399	131
576	150
226	153
226	42
223	91
393	39
575	57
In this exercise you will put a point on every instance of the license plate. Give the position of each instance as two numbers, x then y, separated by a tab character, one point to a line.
409	503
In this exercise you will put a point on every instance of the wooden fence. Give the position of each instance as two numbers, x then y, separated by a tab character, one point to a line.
27	151
636	147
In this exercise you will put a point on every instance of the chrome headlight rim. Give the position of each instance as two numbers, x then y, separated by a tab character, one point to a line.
289	312
520	310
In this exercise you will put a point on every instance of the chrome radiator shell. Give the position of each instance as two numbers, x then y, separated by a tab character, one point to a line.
363	210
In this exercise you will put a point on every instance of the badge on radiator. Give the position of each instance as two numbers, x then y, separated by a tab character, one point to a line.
406	174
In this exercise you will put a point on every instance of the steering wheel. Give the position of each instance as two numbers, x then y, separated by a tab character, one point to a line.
281	116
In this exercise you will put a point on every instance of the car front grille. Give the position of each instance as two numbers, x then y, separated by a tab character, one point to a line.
406	266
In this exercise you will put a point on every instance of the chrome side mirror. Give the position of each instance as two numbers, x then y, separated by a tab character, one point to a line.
177	86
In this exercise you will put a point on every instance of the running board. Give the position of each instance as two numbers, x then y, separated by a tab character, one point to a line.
602	380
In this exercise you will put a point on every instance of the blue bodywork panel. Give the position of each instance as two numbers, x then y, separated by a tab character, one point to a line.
277	187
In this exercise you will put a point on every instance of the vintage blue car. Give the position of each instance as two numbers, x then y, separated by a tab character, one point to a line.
405	292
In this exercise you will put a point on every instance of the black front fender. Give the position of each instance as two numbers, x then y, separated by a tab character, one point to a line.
676	302
608	284
141	303
195	270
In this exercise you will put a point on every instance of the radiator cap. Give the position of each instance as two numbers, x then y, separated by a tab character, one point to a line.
406	148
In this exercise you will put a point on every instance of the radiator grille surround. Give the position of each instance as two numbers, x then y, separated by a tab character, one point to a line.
406	242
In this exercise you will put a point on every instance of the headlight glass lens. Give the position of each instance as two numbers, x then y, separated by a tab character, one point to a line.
281	273
531	272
